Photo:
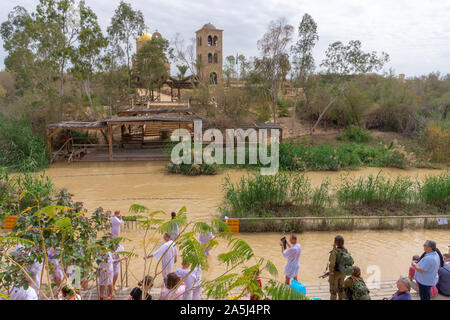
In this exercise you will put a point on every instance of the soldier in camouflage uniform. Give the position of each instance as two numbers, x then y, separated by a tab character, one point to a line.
336	278
354	286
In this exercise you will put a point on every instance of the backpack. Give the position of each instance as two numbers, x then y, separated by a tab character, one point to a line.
360	290
344	261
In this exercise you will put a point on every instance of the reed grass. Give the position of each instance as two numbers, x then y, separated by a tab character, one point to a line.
376	191
435	190
291	195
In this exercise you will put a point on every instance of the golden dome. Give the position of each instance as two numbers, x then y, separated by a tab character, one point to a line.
145	37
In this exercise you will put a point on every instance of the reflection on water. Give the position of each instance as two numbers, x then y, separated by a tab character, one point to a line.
116	185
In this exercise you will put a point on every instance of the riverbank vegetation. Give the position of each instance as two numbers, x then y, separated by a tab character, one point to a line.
291	195
20	149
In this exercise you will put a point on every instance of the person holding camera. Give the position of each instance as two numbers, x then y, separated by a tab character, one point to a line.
293	256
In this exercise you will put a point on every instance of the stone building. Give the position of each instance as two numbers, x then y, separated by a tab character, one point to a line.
209	53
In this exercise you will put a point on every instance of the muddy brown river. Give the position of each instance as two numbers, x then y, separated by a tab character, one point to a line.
382	255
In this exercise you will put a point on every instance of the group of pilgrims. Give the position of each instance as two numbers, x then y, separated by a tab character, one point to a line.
185	283
181	284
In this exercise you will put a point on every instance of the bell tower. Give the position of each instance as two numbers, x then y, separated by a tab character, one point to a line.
209	53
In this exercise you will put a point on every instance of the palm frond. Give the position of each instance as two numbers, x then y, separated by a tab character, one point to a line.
52	211
14	241
271	268
280	291
240	252
137	208
219	288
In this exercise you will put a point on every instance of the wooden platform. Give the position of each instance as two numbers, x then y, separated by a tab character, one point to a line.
142	154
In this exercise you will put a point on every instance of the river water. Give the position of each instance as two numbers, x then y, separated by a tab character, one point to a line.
382	255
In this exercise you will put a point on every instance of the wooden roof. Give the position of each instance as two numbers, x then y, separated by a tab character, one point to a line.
156	110
78	125
152	118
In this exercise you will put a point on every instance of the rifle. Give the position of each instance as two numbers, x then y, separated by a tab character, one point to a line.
326	273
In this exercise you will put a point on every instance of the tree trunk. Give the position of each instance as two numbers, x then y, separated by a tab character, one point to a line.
322	114
87	90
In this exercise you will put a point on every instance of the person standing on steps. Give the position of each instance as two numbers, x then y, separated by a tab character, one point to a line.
337	276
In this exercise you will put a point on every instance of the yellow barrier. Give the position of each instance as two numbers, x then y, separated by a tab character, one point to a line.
234	225
10	222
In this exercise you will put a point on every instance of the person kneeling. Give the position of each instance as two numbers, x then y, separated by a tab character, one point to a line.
354	286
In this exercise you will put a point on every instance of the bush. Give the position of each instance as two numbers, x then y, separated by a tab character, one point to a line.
264	113
355	134
20	149
282	107
436	142
192	169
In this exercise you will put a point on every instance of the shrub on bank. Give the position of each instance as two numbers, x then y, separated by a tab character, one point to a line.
298	157
20	149
436	142
192	169
355	134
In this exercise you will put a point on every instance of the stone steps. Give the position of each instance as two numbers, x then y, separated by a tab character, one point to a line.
378	291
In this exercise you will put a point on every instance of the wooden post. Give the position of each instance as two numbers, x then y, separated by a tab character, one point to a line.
110	142
402	224
353	224
49	143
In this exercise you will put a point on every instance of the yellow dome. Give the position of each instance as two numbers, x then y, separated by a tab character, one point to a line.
145	37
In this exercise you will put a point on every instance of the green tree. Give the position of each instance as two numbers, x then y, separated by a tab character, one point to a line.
303	60
86	57
126	25
182	69
274	63
229	69
16	35
345	63
151	63
57	25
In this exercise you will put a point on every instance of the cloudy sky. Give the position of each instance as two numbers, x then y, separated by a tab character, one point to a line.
415	33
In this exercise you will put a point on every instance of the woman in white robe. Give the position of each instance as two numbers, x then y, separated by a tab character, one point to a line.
292	254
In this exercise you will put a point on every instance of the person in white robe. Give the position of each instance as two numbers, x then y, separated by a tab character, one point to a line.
292	254
116	223
116	263
168	252
191	280
106	269
35	269
204	238
57	275
22	293
176	230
